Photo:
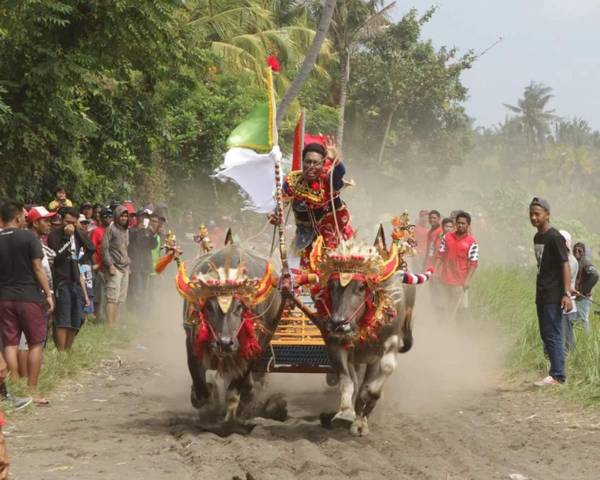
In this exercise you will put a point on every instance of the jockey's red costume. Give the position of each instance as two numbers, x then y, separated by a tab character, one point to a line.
313	201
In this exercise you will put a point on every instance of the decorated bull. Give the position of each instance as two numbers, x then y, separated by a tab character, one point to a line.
364	307
231	310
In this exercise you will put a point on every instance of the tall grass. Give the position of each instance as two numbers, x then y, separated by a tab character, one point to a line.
93	343
506	295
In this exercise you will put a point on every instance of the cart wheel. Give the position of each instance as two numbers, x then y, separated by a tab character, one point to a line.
332	379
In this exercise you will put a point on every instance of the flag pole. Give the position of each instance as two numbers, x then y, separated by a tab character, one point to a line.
285	267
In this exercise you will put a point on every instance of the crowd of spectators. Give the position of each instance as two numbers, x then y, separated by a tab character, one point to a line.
565	279
61	264
448	247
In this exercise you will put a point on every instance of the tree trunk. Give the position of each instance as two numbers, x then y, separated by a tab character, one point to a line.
309	60
344	76
385	135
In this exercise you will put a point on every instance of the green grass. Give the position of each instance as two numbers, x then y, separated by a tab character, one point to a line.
506	295
93	343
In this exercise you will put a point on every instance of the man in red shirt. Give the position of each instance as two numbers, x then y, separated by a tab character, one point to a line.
457	260
98	268
421	232
433	237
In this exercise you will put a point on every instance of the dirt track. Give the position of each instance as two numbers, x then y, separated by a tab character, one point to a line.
444	417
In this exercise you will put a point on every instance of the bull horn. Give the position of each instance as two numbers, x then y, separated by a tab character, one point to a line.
380	242
228	237
316	254
389	266
183	285
264	285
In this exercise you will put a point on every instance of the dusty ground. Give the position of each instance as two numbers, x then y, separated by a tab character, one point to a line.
444	417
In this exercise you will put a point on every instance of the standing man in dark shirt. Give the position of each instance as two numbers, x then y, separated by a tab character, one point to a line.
142	240
553	288
70	297
23	292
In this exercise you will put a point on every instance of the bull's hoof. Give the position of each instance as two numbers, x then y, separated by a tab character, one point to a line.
343	418
360	427
197	403
332	379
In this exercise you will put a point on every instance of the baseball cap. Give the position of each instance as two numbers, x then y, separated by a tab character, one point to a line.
106	212
540	202
83	219
86	205
36	213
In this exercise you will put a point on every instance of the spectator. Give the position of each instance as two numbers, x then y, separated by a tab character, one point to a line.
587	277
85	268
60	200
116	261
22	280
96	214
87	210
71	297
142	240
97	236
421	232
38	220
553	288
458	258
568	318
56	222
447	226
433	237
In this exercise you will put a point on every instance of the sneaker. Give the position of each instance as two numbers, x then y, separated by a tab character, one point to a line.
547	381
16	403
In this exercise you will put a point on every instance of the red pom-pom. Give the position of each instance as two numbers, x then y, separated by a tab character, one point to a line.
316	186
273	62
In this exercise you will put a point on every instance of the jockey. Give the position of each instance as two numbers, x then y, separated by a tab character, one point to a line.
312	198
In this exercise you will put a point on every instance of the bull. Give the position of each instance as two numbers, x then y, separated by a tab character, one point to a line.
364	310
231	310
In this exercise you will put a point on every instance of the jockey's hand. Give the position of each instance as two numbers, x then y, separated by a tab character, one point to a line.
286	284
273	219
331	148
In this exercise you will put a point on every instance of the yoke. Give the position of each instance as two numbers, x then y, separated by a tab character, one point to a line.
297	345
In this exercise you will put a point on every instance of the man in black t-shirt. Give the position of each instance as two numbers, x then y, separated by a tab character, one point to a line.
23	291
553	288
70	296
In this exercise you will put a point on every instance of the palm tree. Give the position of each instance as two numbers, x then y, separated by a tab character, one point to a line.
532	114
354	20
309	60
245	32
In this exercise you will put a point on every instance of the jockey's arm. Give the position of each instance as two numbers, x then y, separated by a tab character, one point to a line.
338	176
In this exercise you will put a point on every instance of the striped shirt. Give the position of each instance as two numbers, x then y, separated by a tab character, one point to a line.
458	254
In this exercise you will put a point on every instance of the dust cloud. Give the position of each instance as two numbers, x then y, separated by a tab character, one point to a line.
448	364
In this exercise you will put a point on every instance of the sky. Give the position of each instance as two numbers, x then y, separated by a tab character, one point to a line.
555	42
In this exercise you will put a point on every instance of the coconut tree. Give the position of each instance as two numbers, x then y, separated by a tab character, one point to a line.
309	60
245	32
353	21
532	114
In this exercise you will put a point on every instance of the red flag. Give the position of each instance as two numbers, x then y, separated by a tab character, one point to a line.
298	143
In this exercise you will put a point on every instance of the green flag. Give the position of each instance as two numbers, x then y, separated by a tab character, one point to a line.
255	132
